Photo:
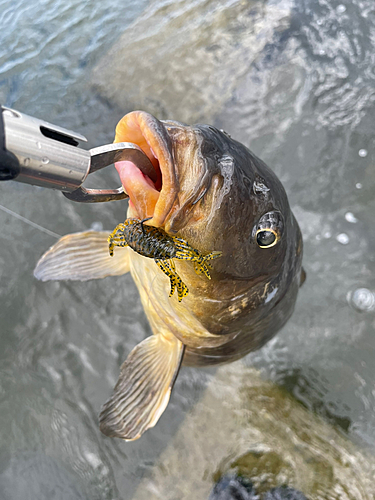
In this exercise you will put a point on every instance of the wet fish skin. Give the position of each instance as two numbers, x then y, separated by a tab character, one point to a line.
224	190
214	193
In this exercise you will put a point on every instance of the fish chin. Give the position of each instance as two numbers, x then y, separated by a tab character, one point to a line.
148	199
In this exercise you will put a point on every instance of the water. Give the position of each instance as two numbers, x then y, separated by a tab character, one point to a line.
295	82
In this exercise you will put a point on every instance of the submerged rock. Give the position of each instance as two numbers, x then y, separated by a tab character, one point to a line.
248	427
183	59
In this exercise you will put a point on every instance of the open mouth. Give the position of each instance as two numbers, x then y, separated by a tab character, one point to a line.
148	198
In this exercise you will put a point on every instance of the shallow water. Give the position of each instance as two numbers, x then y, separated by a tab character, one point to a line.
292	80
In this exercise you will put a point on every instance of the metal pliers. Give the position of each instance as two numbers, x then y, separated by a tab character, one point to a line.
39	153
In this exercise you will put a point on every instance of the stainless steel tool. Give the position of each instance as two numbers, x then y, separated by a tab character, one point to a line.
39	153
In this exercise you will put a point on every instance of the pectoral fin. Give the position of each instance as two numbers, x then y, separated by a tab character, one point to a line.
82	256
143	388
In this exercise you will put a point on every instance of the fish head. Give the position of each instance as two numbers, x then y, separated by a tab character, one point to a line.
213	192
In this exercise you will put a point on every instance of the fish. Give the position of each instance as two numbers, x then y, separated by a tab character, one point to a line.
215	194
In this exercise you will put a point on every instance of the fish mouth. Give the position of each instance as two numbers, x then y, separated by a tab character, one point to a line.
148	198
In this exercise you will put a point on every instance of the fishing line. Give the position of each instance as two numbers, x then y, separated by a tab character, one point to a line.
31	223
151	288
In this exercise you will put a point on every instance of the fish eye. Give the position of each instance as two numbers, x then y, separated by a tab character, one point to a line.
266	238
269	229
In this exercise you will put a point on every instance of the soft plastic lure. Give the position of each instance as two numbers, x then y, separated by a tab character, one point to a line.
156	244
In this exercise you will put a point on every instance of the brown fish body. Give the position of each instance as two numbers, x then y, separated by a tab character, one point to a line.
252	291
215	194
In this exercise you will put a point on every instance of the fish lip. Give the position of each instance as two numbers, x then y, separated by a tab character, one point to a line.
152	137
